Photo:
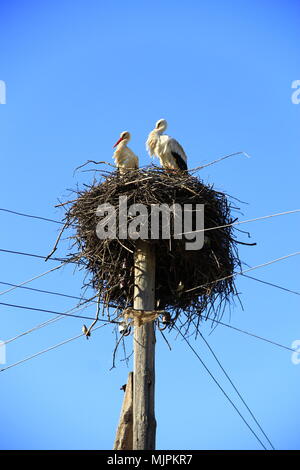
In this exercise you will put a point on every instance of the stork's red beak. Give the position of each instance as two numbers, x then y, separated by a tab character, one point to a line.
121	138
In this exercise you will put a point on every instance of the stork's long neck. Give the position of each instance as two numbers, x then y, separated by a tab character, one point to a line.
153	140
122	144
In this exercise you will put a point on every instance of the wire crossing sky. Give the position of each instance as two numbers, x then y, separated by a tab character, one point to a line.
76	75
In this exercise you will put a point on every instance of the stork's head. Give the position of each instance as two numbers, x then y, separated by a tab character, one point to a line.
124	136
161	125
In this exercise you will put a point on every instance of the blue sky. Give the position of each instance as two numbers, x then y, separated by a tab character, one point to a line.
77	74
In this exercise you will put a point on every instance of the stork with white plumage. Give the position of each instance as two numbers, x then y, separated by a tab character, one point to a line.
124	157
170	153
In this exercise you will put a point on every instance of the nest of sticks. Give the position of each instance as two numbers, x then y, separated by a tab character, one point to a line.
198	283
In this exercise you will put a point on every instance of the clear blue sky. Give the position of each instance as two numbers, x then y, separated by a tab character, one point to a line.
77	74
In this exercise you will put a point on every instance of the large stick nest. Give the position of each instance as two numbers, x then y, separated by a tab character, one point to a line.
191	281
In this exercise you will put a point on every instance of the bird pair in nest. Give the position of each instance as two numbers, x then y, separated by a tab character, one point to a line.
169	152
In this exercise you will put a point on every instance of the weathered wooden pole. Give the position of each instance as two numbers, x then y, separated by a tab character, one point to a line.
124	433
144	423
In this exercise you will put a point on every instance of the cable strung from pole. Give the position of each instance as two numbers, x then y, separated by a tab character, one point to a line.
33	255
50	311
184	233
23	253
241	222
31	216
48	349
271	284
82	298
77	308
35	328
65	314
15	286
244	271
252	334
33	278
237	391
222	390
43	291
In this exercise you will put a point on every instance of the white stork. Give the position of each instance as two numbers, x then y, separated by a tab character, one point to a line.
170	153
124	157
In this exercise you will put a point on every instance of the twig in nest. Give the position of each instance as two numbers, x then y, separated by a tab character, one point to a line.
65	203
125	247
244	243
115	350
165	339
138	181
88	331
93	161
57	240
127	357
219	160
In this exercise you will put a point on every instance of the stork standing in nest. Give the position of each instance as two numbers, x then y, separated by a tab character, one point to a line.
170	153
124	157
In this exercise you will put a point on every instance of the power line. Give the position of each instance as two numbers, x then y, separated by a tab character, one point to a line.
271	284
52	320
82	298
37	327
43	291
33	278
78	262
251	334
76	337
48	349
66	314
230	326
220	387
241	222
15	286
50	311
237	391
244	271
31	216
35	256
184	233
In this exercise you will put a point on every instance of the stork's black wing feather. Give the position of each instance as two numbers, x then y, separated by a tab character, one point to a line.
180	162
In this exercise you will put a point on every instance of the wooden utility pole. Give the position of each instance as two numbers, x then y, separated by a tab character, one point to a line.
124	434
144	423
